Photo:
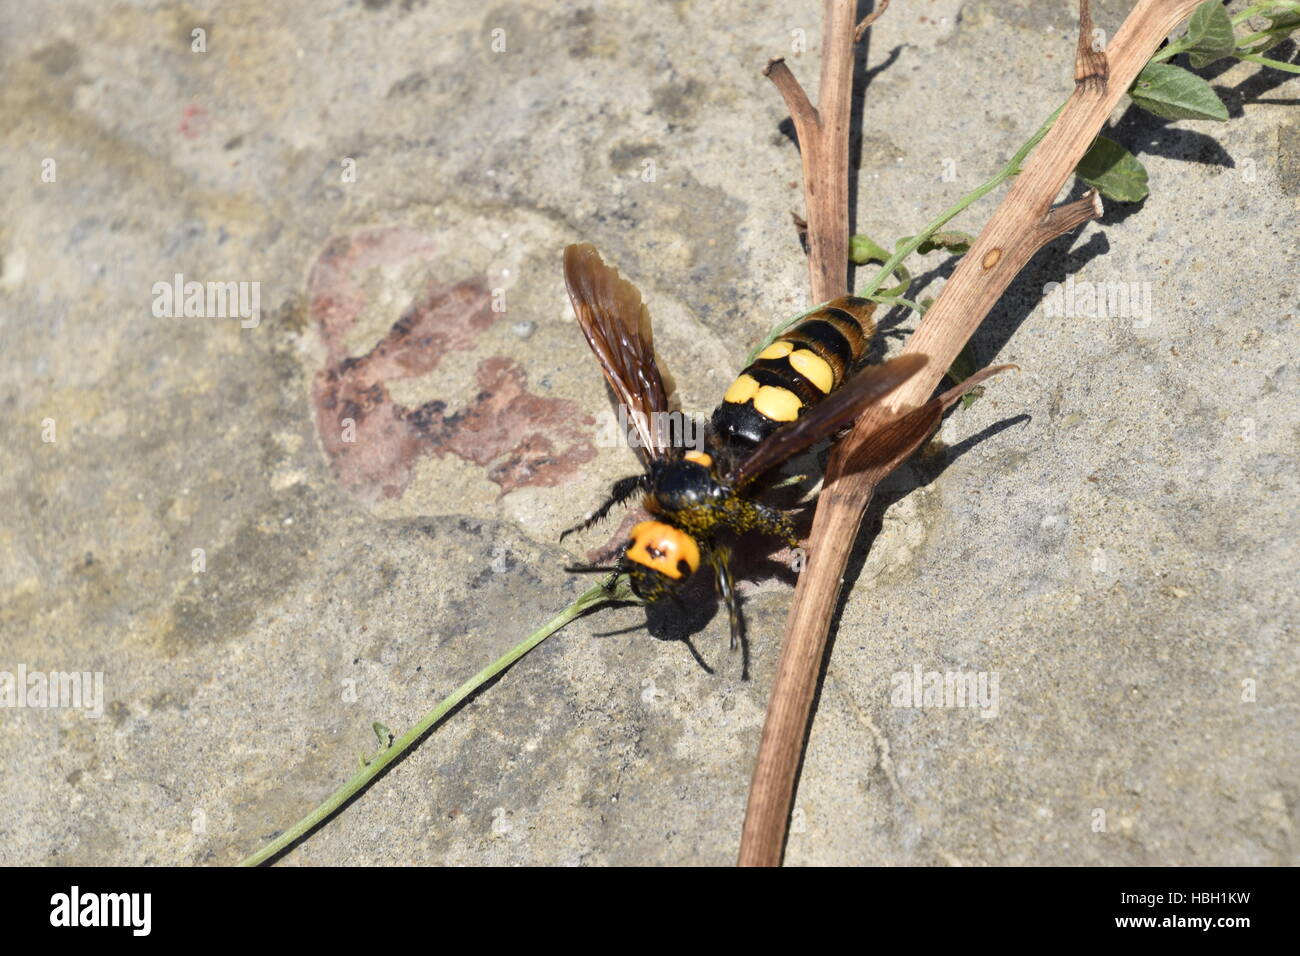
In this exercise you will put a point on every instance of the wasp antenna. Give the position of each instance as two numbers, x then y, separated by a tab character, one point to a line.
590	568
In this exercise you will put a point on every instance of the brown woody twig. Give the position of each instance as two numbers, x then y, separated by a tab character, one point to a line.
869	19
823	133
881	440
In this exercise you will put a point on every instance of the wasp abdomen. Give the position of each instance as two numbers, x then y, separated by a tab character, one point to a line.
796	371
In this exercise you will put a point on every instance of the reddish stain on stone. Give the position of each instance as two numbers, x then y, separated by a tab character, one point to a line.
335	294
522	438
374	443
194	121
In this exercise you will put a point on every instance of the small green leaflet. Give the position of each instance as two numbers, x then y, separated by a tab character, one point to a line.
1281	24
962	368
1115	171
864	249
1210	34
1173	93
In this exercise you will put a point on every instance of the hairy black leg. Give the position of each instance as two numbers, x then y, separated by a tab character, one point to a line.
720	558
608	585
623	489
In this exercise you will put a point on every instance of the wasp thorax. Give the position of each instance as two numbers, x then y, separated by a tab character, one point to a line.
685	484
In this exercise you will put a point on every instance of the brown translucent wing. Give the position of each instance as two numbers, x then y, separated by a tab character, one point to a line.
617	326
827	416
897	439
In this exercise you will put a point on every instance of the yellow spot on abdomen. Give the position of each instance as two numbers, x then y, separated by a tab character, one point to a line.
814	368
700	458
778	404
661	547
776	350
741	390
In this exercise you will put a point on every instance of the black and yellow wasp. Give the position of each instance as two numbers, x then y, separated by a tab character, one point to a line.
798	391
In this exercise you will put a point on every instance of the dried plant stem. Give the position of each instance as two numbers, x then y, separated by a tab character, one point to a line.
823	133
1022	224
869	19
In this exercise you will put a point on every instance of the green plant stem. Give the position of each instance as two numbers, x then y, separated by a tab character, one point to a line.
893	300
1265	61
1006	172
600	594
906	249
785	324
892	264
1245	42
1183	43
1250	11
618	591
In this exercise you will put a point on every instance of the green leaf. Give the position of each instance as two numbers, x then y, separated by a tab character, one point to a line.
1114	171
864	249
962	368
1281	24
1173	93
953	241
1210	34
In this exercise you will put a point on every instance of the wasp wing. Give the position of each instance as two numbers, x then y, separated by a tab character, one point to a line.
617	326
831	413
897	439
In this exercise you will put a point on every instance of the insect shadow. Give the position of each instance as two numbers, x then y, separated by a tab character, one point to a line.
751	561
918	473
679	619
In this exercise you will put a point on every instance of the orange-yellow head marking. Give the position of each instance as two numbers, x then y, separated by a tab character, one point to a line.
700	458
663	548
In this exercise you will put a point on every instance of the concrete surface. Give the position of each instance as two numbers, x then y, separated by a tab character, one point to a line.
1109	535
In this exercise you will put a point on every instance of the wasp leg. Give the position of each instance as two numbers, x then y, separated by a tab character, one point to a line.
778	524
623	489
746	515
720	559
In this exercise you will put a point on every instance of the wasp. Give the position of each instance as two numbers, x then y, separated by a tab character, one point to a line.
799	390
